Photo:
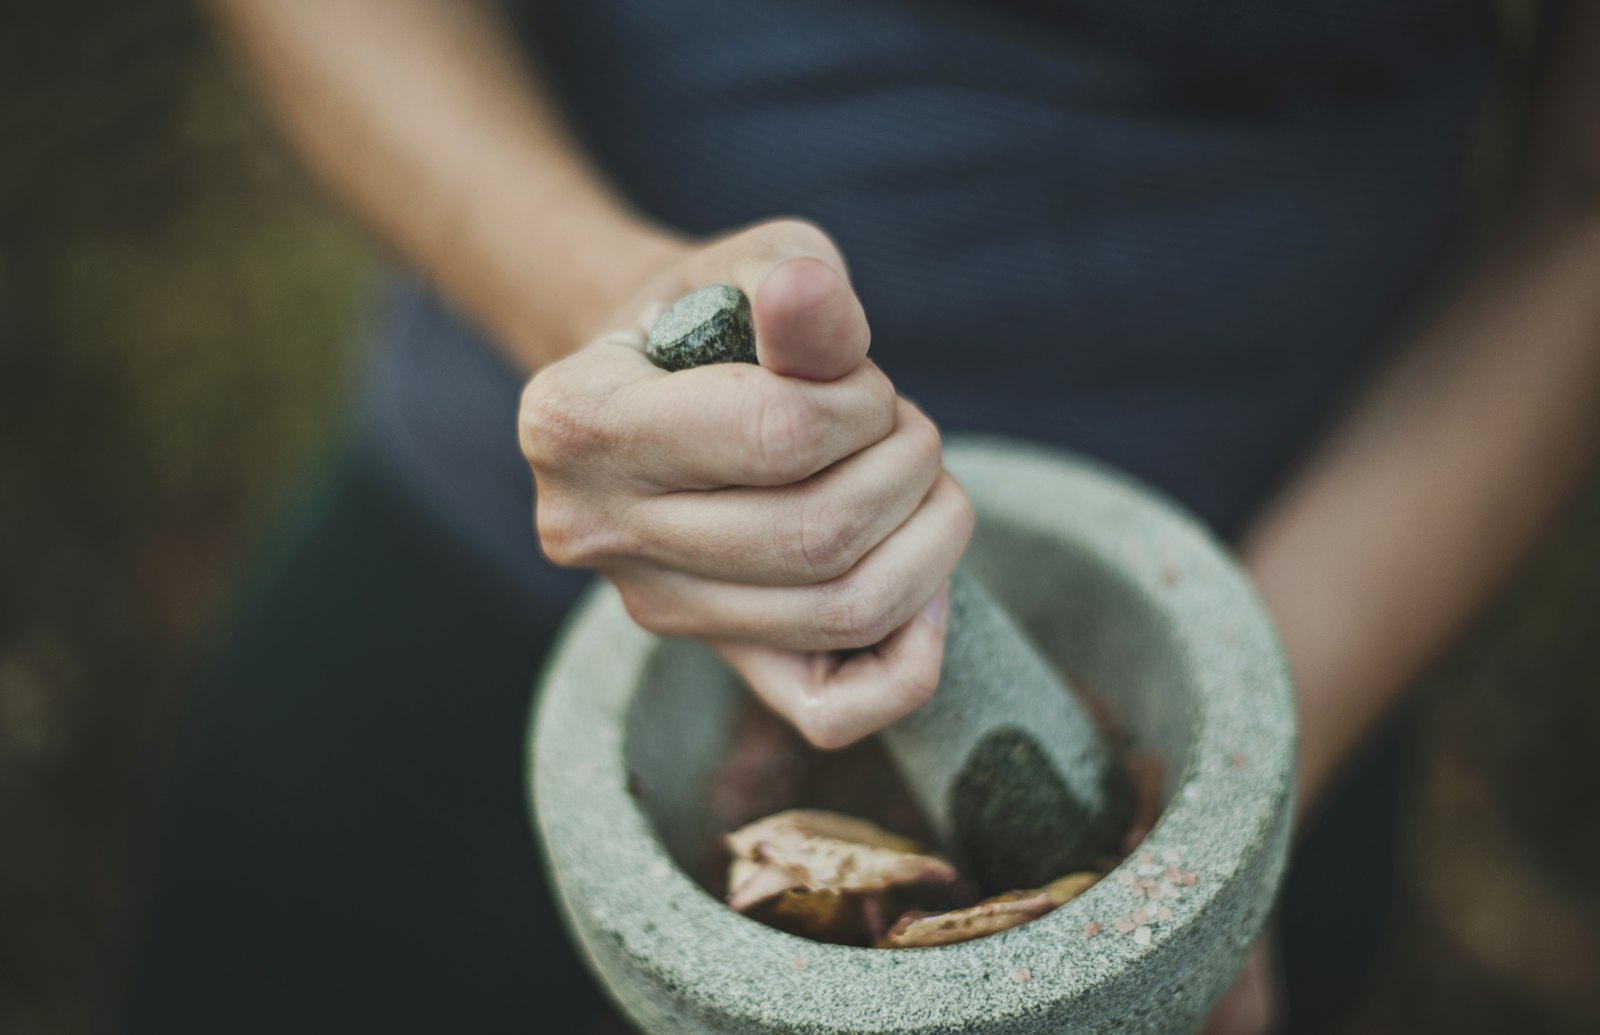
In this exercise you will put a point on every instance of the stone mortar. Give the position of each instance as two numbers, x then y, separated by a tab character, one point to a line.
1117	587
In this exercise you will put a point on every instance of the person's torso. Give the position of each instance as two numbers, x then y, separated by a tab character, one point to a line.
1164	233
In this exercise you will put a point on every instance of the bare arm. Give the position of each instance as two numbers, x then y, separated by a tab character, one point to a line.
1439	482
1422	504
422	116
778	513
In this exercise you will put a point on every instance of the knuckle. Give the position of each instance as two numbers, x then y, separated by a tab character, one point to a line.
855	614
826	541
966	519
555	535
570	539
917	688
556	425
782	428
881	397
560	535
926	442
822	726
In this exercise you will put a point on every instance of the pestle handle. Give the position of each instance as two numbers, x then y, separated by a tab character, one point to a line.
1004	758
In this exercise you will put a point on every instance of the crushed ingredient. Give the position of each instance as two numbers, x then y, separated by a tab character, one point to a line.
837	878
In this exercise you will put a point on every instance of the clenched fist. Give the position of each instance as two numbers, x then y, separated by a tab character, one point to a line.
794	515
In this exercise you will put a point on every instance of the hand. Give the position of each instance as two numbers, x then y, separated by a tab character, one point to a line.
1250	1006
781	513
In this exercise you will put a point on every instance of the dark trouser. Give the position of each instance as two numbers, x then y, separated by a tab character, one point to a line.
347	847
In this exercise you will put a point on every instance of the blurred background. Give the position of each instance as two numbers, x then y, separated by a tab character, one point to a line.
179	315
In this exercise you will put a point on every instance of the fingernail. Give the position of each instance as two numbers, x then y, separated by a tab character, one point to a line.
936	611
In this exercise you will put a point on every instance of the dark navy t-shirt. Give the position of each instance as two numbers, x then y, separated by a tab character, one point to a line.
1167	234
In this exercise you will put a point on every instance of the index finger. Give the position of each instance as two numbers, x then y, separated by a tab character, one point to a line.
736	423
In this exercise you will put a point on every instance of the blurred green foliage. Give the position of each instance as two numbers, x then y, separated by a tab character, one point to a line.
177	315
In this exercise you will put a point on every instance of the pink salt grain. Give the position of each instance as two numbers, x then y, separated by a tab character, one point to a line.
798	964
1022	976
1091	929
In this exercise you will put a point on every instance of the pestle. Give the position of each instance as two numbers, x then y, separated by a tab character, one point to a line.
1018	780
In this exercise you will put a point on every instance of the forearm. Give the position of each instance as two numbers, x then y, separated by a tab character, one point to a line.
1424	500
420	114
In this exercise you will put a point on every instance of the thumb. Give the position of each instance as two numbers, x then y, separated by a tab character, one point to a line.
807	318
